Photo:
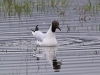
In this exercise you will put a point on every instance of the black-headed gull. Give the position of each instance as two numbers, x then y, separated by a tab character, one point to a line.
48	38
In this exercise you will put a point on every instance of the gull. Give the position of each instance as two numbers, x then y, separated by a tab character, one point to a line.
48	38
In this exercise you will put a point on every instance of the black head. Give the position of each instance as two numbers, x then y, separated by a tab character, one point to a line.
55	24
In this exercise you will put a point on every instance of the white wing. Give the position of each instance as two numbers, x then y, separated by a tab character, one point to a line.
39	36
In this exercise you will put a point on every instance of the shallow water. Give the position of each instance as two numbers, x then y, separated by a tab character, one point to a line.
77	53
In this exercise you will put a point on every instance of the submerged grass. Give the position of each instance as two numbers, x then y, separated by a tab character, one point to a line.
89	8
13	7
26	7
16	7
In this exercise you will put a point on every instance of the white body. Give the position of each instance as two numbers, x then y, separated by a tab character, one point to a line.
47	39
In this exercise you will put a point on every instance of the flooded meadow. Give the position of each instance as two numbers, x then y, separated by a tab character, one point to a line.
78	47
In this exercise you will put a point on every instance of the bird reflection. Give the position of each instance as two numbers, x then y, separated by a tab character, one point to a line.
50	54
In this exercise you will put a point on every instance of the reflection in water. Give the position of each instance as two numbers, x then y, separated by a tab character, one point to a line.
50	54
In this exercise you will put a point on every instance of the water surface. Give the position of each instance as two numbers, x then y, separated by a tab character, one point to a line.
77	52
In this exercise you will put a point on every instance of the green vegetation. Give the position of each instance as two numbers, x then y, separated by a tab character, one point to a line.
68	28
27	7
19	7
13	7
88	8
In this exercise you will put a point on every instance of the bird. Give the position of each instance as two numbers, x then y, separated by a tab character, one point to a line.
48	38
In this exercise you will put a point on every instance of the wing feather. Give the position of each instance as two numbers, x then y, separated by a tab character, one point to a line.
39	36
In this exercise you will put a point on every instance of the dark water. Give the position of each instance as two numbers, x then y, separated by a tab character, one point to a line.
78	52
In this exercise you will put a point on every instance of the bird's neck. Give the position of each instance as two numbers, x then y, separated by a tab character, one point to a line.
50	32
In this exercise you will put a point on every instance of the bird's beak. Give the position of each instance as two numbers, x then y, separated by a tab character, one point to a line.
59	28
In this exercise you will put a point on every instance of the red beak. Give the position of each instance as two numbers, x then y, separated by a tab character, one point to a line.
59	28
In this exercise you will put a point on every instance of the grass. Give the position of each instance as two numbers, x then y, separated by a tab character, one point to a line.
68	28
14	7
99	27
27	7
89	8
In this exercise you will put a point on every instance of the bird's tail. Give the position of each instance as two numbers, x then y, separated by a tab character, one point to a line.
36	29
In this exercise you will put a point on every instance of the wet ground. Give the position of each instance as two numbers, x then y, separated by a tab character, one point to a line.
77	53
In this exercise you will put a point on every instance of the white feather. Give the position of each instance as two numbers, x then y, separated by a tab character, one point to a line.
45	39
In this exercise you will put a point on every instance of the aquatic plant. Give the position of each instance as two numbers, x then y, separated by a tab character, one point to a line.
14	7
99	27
68	28
89	8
